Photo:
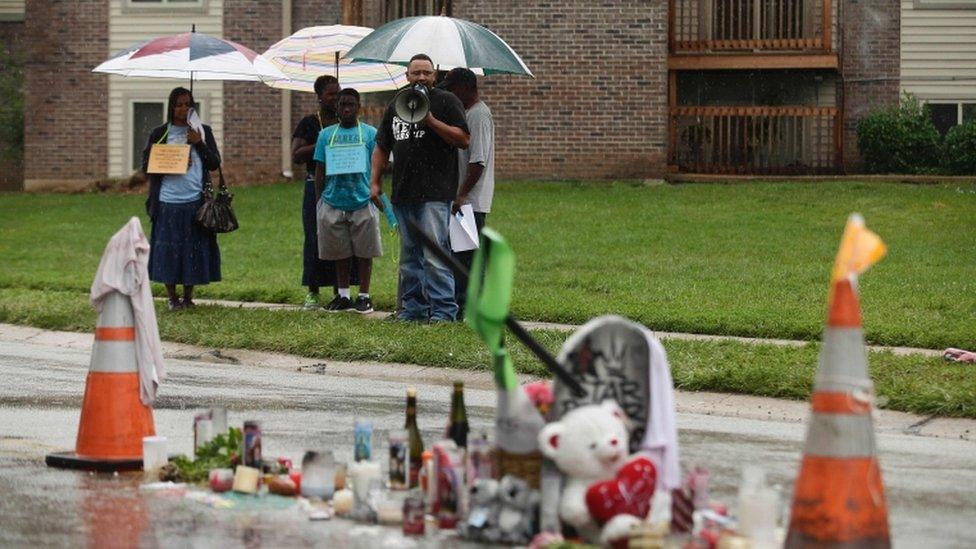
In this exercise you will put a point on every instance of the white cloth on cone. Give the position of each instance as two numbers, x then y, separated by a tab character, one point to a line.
661	436
124	268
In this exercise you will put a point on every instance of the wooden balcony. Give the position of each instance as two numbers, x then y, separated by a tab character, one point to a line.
755	140
759	34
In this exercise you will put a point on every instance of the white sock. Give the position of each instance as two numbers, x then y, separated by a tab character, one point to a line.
361	294
344	292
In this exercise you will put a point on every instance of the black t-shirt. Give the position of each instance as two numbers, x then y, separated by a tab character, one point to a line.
424	165
308	129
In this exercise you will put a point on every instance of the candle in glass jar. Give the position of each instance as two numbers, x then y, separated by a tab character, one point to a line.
362	474
318	475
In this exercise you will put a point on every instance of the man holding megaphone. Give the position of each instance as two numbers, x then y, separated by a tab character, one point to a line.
423	127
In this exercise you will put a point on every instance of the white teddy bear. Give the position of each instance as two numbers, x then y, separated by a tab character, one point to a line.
590	445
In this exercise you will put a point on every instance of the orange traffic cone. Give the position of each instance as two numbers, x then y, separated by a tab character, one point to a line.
113	418
839	498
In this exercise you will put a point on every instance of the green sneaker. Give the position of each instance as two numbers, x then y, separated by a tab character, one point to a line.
311	302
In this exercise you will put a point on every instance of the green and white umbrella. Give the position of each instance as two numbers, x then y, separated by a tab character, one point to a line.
448	41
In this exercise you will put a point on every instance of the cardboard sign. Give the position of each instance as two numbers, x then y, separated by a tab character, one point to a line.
169	159
342	159
611	358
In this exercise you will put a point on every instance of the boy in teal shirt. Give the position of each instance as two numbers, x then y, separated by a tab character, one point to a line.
348	221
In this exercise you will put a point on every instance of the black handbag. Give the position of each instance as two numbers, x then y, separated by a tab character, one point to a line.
216	213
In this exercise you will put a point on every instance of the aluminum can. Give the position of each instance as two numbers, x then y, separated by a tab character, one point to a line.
251	453
413	515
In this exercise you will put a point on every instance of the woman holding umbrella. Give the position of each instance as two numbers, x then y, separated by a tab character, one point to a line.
181	252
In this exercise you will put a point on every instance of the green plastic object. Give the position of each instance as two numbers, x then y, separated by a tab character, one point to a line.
489	296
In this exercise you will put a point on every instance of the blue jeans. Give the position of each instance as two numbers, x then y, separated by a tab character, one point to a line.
426	283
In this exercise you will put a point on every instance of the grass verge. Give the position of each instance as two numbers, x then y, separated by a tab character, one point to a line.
913	383
745	259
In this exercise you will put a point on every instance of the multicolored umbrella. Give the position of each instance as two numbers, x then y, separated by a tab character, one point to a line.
448	41
192	55
314	51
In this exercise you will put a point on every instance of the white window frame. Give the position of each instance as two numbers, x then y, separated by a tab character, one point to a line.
164	6
130	106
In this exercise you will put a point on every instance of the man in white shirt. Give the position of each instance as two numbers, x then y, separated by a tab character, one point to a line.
476	164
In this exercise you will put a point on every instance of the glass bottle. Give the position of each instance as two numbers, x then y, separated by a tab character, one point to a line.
457	425
416	443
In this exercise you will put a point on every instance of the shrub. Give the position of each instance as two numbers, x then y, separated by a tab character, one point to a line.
960	149
899	139
11	106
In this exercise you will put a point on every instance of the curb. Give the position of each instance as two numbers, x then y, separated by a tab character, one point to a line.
558	327
721	405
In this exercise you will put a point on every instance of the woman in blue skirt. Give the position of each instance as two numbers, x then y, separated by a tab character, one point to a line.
182	252
316	273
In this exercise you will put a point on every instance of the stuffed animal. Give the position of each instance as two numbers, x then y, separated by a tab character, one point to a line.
517	513
606	490
482	522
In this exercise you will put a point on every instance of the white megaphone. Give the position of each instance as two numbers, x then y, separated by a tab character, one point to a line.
412	104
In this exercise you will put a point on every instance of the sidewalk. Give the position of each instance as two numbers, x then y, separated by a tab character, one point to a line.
702	403
532	325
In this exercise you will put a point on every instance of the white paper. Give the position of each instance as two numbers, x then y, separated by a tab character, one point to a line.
194	121
464	230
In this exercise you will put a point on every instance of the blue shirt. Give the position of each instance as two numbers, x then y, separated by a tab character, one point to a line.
348	191
187	187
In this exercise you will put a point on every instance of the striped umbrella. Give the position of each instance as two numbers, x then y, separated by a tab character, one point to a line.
448	41
191	55
314	51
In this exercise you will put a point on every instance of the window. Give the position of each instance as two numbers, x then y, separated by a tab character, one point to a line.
141	6
946	115
146	115
968	112
397	9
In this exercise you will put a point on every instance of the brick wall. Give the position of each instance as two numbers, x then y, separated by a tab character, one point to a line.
307	14
598	105
66	126
252	112
870	65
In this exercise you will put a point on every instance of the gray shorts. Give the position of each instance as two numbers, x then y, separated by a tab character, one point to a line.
345	234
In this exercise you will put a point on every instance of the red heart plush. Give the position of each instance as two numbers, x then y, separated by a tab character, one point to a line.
628	494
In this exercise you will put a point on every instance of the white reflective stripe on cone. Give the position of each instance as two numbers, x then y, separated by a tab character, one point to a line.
117	353
843	366
114	357
116	311
840	436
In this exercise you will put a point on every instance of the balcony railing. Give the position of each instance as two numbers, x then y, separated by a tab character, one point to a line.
703	26
755	140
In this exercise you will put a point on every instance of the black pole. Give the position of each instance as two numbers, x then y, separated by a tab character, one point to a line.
513	325
193	30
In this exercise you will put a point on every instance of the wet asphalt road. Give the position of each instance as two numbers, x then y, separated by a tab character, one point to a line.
930	482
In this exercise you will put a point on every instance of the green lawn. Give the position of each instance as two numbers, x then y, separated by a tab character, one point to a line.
748	259
906	383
